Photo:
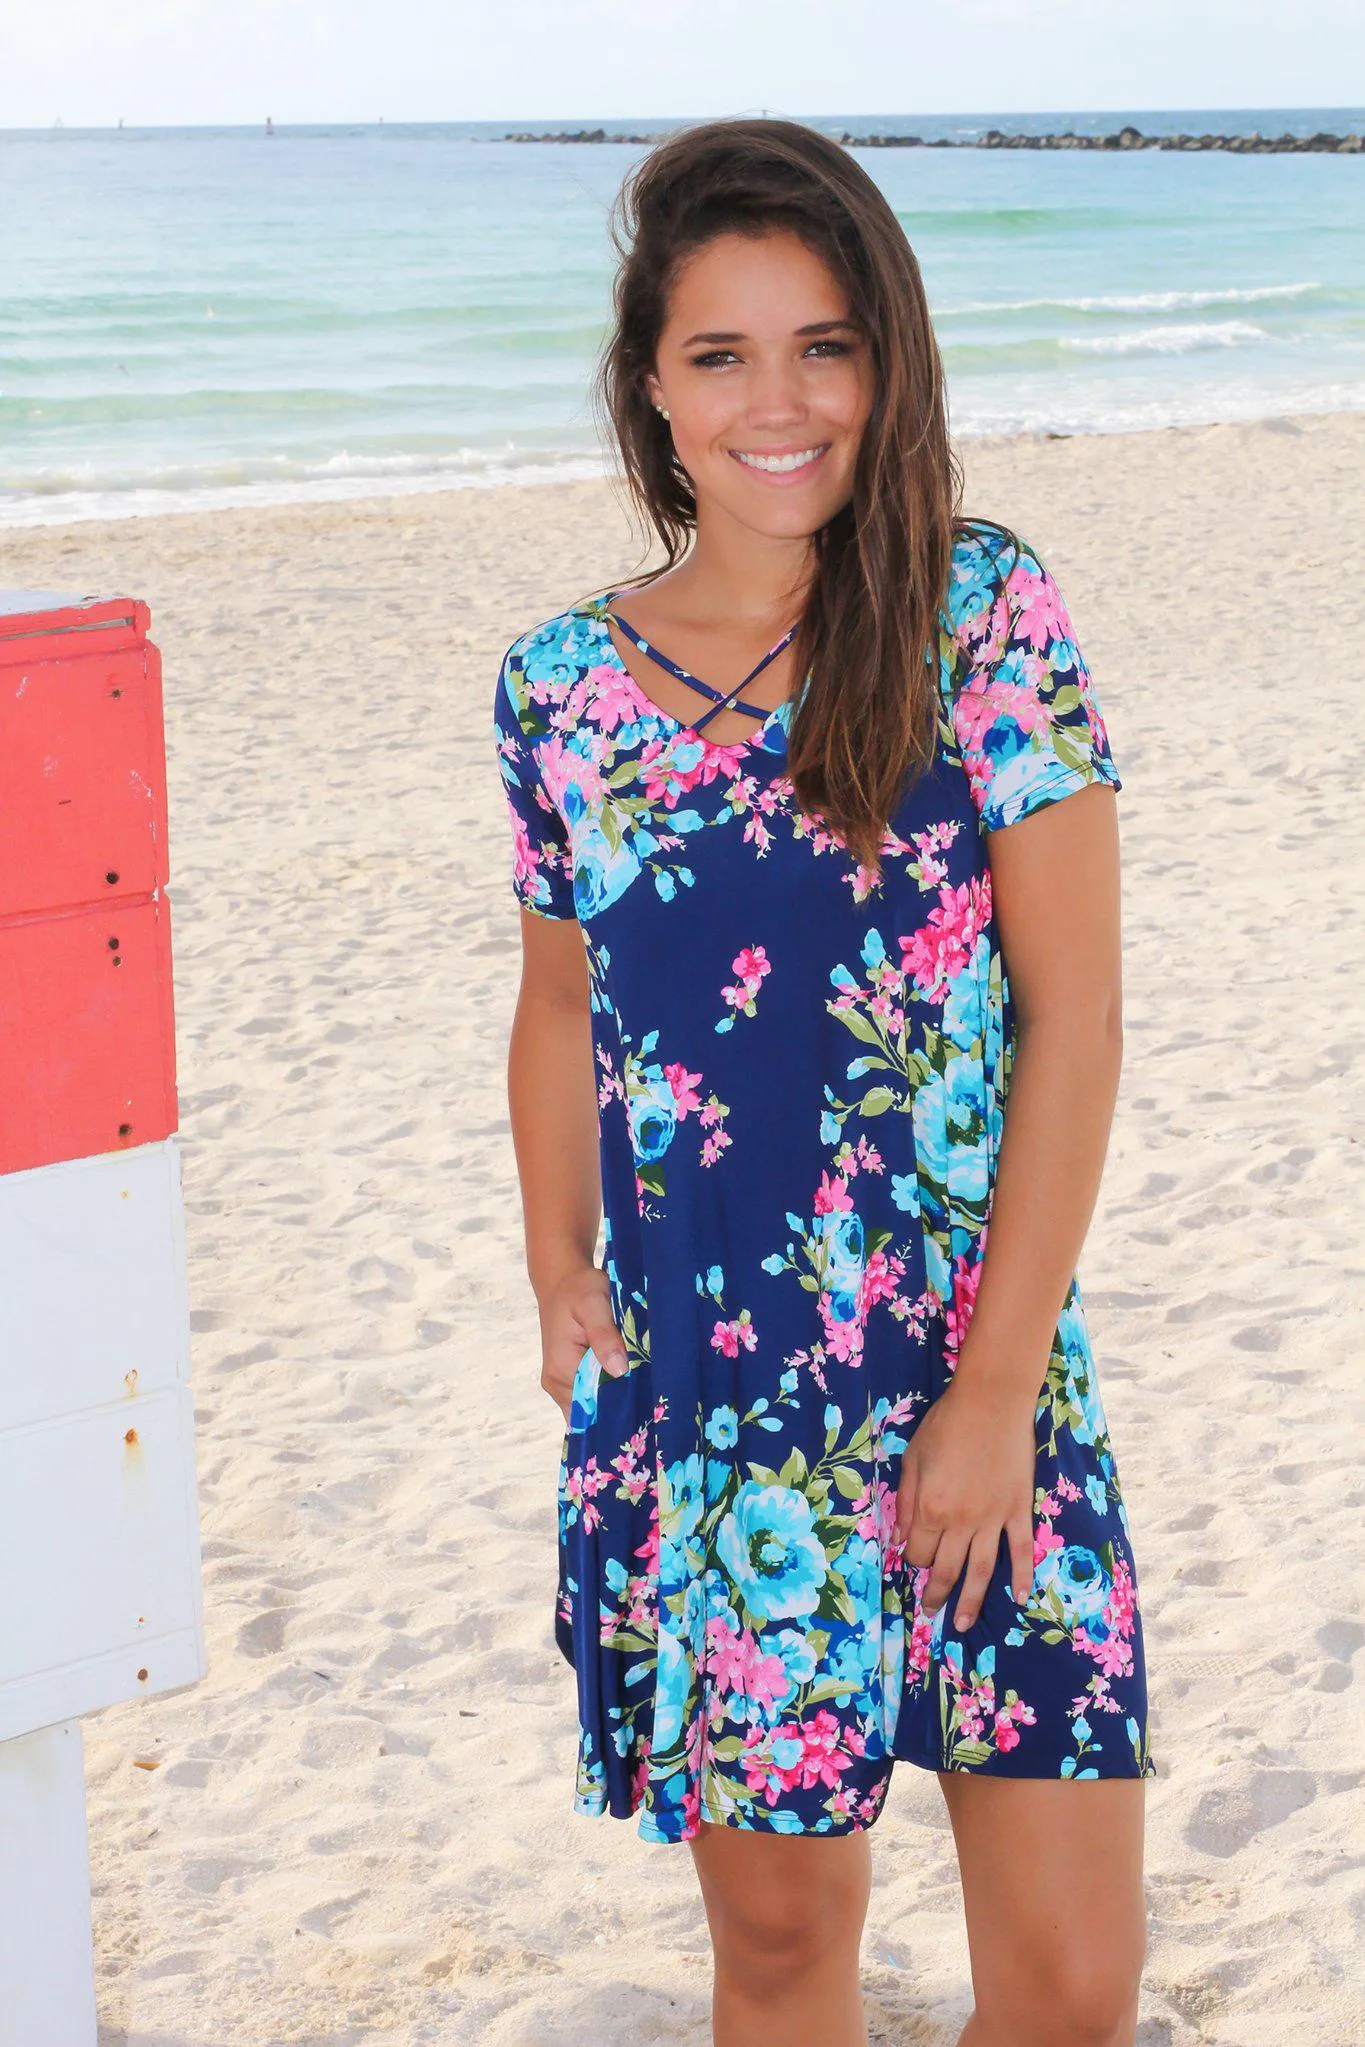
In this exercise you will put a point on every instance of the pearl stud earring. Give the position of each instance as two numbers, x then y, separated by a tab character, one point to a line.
663	411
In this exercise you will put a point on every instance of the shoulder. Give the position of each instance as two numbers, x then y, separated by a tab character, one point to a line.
992	567
543	665
1004	605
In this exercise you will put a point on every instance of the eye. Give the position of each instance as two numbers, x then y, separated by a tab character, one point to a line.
714	358
828	347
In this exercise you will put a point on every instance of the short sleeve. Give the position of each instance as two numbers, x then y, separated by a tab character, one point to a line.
542	864
1024	709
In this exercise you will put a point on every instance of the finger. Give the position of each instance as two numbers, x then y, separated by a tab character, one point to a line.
605	1338
921	1544
981	1561
561	1395
560	1361
1019	1534
948	1561
905	1503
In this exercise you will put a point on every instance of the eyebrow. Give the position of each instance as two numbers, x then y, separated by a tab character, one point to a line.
815	327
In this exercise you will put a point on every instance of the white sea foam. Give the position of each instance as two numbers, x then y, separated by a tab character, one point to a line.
75	497
1135	302
1167	340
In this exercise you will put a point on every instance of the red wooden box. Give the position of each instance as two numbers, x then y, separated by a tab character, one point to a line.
87	1038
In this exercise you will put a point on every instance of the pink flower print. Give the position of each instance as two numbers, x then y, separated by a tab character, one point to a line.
832	1195
525	858
844	1340
920	1648
1114	1655
613	699
662	785
648	1552
740	1664
864	880
1045	1540
1121	1605
1040	616
821	1762
713	1147
750	964
1066	1490
684	1086
879	1280
966	1282
730	1337
761	1773
718	760
943	946
1013	1715
563	767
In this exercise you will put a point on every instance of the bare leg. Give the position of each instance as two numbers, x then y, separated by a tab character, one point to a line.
1052	1882
786	1915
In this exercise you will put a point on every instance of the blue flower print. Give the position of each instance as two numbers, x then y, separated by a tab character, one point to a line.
722	1431
769	1545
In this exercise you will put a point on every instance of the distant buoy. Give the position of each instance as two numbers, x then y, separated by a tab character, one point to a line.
269	125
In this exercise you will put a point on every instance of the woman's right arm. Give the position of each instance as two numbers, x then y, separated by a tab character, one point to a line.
552	1095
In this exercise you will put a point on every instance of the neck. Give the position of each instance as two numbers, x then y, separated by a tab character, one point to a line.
735	573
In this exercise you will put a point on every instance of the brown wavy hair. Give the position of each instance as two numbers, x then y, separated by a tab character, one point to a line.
868	635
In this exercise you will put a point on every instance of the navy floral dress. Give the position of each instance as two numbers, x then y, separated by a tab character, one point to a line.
802	1073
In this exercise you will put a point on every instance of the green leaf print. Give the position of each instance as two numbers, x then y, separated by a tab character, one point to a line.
851	1483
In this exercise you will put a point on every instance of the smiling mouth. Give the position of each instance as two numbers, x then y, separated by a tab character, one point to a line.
782	465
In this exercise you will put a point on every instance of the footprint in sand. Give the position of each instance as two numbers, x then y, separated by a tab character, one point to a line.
1223	1821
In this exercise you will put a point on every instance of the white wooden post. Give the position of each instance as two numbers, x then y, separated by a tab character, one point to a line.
99	1545
47	1987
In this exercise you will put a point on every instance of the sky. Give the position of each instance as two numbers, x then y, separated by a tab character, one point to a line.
92	62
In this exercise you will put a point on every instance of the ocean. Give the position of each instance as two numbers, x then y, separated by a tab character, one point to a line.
202	317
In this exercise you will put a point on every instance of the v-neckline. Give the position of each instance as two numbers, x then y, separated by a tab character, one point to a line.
779	714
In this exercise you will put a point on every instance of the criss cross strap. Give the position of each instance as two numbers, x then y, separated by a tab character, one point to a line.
721	700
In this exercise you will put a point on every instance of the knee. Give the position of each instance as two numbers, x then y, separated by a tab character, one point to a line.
778	1932
1077	2001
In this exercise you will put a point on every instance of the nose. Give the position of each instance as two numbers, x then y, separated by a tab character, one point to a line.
776	398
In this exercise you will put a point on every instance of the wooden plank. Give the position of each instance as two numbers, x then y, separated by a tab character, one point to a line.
92	1277
102	1600
102	623
82	777
46	1952
87	1034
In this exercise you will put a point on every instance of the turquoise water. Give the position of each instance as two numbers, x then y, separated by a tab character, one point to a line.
209	316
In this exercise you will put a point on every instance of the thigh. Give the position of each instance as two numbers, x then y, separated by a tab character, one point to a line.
1051	1882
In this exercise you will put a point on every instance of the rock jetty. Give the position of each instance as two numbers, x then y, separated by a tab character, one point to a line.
1253	144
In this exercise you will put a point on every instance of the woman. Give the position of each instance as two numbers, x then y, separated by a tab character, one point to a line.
836	1484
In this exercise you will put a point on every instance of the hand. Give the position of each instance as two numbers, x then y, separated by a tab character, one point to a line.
967	1475
574	1314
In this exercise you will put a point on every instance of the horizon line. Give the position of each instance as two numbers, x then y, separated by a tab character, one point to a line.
122	124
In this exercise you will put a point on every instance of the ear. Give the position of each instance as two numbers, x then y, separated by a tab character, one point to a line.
654	390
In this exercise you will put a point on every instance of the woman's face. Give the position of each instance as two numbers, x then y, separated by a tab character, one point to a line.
767	381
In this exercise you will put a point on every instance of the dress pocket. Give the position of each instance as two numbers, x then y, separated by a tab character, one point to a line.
583	1405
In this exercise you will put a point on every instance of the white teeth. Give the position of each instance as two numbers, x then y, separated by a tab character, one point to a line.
780	463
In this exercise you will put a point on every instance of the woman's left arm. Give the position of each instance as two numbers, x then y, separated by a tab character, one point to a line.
968	1471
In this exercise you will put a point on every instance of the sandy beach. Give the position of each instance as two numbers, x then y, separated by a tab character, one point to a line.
359	1829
